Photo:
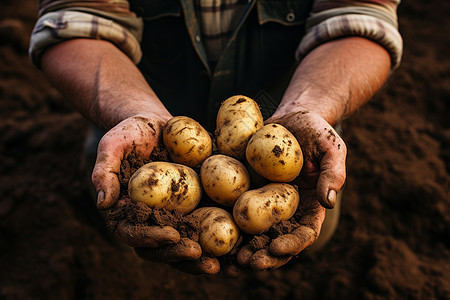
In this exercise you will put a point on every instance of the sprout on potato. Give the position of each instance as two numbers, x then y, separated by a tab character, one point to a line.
218	231
238	119
274	152
224	179
187	142
257	210
166	185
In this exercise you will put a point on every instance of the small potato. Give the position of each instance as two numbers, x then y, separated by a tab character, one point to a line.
238	119
274	152
219	233
166	185
187	142
224	179
258	210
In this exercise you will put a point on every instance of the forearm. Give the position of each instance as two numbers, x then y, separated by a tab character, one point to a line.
337	78
101	82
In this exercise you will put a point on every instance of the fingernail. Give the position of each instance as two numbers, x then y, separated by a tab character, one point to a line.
331	198
100	197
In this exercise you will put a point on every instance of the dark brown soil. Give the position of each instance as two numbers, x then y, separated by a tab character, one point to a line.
392	242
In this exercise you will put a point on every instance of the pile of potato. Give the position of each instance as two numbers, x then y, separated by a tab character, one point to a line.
246	149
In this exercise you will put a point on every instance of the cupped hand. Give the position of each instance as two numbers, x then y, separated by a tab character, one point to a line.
324	155
162	244
138	136
322	176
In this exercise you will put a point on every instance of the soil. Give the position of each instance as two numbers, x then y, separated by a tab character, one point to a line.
392	241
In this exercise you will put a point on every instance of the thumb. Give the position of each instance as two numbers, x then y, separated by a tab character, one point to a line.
110	154
332	175
136	134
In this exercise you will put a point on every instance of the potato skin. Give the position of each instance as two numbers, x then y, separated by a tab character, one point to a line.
274	152
257	210
237	120
166	185
224	179
219	233
187	142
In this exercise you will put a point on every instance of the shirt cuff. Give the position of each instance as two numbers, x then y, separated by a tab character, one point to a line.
56	27
373	28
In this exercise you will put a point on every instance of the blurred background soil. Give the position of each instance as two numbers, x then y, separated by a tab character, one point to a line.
393	240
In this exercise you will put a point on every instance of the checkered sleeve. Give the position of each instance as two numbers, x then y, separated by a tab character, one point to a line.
106	20
372	19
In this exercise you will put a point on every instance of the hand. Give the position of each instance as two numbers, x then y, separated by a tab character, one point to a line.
137	136
322	176
159	243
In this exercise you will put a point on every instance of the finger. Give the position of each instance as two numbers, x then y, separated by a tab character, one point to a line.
332	170
244	255
293	243
146	236
309	226
136	134
203	265
233	270
230	266
104	175
186	249
263	260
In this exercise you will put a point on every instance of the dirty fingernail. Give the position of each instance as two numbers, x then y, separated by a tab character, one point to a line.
331	198
100	197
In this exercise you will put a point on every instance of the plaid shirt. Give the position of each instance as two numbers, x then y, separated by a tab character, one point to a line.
112	20
217	21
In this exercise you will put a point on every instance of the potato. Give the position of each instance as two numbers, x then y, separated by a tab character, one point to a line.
218	231
257	210
274	152
224	179
166	185
238	119
187	142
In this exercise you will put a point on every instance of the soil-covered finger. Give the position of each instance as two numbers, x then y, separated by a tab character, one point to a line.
263	260
107	186
104	175
186	249
293	243
230	266
233	271
328	185
244	255
203	265
332	175
138	235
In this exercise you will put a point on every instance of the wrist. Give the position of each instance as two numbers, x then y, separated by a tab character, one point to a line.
337	78
332	110
114	111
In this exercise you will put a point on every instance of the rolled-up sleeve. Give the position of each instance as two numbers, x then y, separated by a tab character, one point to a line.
375	20
106	20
